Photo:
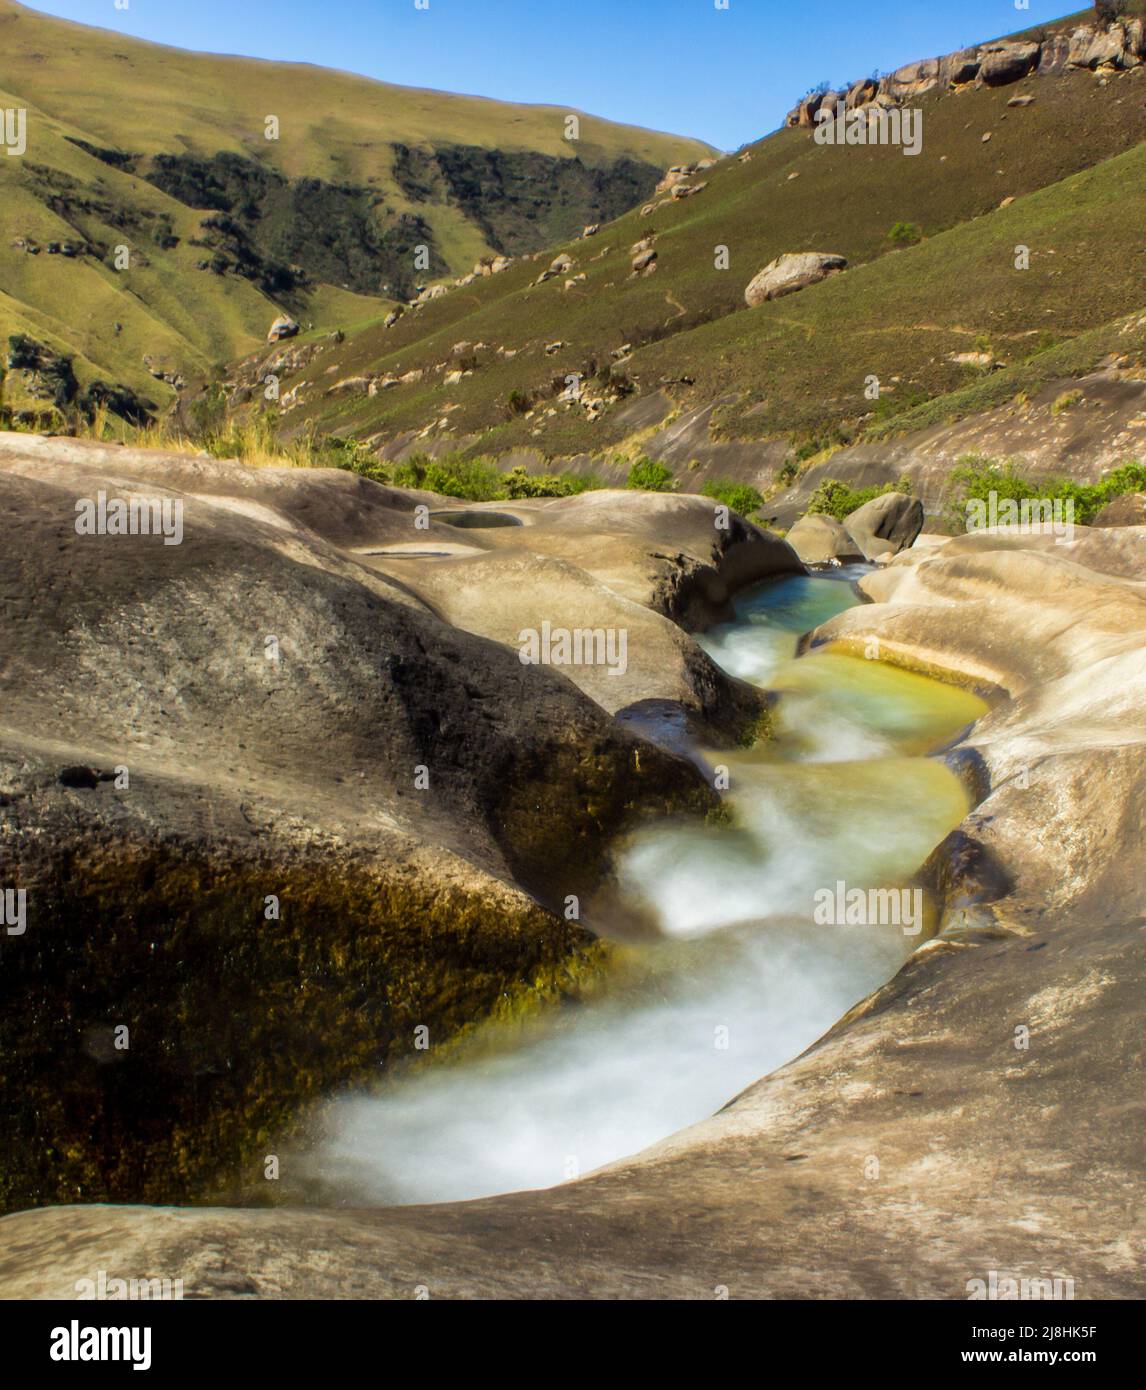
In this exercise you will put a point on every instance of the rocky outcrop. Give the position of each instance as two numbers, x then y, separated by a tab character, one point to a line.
652	565
881	1163
789	273
1115	47
294	777
1085	444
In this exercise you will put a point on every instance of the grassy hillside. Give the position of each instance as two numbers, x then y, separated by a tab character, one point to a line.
1069	167
134	144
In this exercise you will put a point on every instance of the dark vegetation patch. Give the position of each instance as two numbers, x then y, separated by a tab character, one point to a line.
283	234
90	209
522	200
49	377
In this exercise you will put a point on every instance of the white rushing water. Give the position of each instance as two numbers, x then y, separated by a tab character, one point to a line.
740	980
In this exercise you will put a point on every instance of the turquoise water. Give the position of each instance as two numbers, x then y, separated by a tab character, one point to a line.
729	975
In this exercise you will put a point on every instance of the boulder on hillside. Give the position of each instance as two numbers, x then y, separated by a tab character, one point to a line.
861	93
957	68
793	271
283	327
1105	49
1127	510
888	522
1008	62
1054	55
822	540
912	80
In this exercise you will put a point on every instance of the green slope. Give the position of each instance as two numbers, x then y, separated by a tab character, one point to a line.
1072	162
130	143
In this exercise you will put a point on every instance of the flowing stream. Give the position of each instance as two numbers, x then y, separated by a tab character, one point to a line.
732	976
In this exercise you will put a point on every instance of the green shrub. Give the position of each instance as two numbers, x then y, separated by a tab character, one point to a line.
838	499
469	479
649	476
519	483
738	497
905	234
976	477
473	480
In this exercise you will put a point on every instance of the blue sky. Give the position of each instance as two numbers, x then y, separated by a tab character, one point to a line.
725	76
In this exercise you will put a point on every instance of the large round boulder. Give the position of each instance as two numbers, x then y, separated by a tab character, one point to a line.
822	540
889	522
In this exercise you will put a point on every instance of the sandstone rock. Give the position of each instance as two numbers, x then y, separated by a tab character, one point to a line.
228	800
349	384
1081	39
822	540
1127	510
804	114
789	273
643	260
861	93
1105	49
1028	934
1006	63
956	69
670	180
1054	55
283	327
913	79
430	293
890	522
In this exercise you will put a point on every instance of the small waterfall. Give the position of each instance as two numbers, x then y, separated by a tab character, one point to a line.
738	978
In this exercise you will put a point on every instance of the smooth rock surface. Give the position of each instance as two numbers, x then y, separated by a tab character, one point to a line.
919	1145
